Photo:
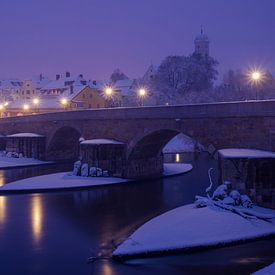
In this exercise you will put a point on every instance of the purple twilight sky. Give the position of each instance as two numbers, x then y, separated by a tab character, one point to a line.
94	37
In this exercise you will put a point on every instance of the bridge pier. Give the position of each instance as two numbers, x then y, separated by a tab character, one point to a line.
145	168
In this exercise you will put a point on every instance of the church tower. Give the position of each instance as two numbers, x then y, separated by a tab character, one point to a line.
202	44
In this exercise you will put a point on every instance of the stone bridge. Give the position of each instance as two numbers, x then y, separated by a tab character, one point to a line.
146	130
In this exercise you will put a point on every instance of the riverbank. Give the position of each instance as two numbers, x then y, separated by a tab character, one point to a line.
66	181
188	228
6	162
269	270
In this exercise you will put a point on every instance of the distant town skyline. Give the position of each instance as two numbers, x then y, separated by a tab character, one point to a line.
95	37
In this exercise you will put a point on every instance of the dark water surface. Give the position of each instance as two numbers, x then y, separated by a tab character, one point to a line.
55	233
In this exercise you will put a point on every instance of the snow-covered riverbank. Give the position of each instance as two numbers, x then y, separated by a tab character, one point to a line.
65	180
6	162
269	270
187	227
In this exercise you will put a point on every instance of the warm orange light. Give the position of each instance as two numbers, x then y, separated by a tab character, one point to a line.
108	91
36	101
64	101
256	75
36	217
1	107
26	107
177	157
142	92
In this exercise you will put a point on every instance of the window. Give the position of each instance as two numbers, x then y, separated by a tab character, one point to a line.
91	96
28	92
83	96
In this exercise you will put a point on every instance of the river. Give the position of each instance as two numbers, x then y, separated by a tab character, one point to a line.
55	233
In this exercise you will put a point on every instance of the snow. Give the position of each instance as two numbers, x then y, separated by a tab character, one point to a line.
189	227
25	135
245	153
101	141
68	180
6	162
59	181
269	270
180	143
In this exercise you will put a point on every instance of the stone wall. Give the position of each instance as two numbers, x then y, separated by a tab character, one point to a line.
254	177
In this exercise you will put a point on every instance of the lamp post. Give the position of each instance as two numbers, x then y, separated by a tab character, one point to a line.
142	93
256	77
64	102
36	102
109	92
26	107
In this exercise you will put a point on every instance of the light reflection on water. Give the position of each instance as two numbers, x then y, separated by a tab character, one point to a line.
36	218
3	209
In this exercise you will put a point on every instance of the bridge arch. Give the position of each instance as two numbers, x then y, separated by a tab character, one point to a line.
145	156
64	144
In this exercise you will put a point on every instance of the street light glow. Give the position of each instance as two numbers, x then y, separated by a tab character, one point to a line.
256	75
1	107
6	103
35	101
64	101
26	107
142	92
108	91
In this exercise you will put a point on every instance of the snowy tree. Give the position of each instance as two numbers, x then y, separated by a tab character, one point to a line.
178	75
117	75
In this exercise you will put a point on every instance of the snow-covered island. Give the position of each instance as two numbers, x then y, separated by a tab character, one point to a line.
10	160
66	180
269	270
225	218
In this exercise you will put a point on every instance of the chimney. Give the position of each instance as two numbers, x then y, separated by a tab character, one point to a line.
68	74
57	77
81	75
71	89
40	77
94	82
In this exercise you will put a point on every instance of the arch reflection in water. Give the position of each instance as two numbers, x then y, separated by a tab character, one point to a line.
3	209
36	217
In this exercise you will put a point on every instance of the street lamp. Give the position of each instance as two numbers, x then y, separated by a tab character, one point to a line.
36	101
256	77
142	93
64	102
6	104
26	107
109	92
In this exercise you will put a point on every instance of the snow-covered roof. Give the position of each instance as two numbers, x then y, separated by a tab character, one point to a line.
124	86
10	83
245	153
70	93
25	135
99	84
55	84
101	141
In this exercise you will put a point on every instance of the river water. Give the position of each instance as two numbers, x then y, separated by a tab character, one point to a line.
55	233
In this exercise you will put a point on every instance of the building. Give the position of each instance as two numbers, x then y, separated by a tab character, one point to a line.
75	98
202	44
56	87
9	88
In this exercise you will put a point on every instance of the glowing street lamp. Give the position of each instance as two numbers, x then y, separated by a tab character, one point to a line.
35	101
142	93
26	107
64	102
6	104
109	93
256	77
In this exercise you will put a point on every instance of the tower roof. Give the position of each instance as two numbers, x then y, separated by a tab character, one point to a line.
201	37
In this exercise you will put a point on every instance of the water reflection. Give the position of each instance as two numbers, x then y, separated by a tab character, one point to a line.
2	178
36	217
3	209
